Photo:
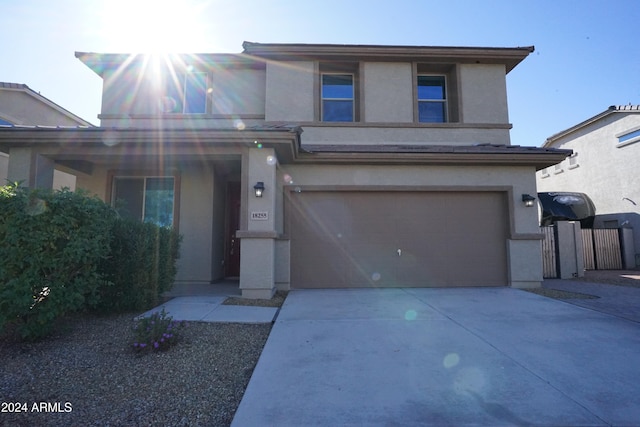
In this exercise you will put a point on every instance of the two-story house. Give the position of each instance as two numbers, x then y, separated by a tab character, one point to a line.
603	166
22	106
313	165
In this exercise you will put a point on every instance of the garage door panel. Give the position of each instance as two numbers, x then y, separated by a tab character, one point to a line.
321	216
371	264
445	238
422	262
319	266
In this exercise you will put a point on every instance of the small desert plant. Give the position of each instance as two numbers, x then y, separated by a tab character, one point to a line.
156	332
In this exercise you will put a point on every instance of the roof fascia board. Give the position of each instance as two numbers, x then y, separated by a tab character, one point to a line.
538	160
508	56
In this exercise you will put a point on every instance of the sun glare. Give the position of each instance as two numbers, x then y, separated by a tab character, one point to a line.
152	26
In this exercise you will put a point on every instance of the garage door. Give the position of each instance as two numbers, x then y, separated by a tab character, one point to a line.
393	239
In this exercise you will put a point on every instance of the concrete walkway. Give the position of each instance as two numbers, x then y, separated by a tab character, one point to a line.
203	303
413	357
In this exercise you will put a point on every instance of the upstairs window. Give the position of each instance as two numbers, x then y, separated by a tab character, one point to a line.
337	98
628	137
186	94
146	199
432	99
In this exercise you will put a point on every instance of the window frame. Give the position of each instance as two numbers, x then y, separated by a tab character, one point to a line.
113	175
444	101
177	84
352	99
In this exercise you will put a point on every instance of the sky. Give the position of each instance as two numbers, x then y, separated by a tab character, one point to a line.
586	58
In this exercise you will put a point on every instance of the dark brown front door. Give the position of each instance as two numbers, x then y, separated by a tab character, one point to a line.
232	244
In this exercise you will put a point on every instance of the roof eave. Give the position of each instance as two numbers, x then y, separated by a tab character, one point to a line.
613	109
510	56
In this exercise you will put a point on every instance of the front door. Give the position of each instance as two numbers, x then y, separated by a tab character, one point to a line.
232	244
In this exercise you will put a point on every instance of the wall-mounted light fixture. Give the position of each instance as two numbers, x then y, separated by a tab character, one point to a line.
259	188
528	200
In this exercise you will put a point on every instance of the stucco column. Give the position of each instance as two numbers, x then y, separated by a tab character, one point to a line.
257	249
30	168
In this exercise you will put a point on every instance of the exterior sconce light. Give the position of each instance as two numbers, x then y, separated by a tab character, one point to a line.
528	200
259	188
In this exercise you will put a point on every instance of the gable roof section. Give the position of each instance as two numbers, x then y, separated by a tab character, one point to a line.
614	109
26	89
509	56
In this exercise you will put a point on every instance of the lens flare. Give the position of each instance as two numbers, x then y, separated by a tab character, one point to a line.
410	315
451	360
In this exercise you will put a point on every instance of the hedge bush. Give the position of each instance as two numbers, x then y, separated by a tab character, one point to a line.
63	251
141	266
51	247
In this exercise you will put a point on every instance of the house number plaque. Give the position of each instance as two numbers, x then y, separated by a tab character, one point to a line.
259	216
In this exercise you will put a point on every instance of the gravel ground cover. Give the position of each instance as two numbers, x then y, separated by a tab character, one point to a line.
87	374
629	278
558	294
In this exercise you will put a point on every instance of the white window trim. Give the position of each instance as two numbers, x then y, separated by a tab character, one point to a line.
629	141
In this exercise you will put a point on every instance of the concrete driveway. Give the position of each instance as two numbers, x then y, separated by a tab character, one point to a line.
407	357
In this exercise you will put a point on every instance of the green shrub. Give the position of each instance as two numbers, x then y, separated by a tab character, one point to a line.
51	246
141	266
156	332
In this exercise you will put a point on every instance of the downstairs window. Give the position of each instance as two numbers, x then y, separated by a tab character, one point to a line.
146	199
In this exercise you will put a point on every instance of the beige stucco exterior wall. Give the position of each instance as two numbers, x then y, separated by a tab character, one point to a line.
388	92
202	216
132	100
196	224
258	240
483	93
447	134
21	108
290	91
4	168
605	170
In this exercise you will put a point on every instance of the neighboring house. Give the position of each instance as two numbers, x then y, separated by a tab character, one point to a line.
20	106
604	165
313	165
